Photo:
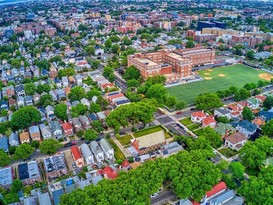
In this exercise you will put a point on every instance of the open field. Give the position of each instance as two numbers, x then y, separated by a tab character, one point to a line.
218	79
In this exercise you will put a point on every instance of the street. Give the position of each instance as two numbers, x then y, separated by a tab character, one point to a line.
163	197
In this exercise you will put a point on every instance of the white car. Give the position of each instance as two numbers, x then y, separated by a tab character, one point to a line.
154	195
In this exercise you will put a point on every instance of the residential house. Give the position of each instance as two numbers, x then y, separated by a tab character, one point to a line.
29	173
78	79
242	104
87	154
44	199
220	188
97	151
65	81
36	98
14	139
4	105
198	116
224	129
222	112
71	80
6	177
226	196
235	110
24	137
35	133
76	154
85	122
245	127
56	129
107	149
28	100
171	148
149	142
68	129
55	166
101	116
110	173
20	91
53	94
92	117
76	124
253	103
258	121
45	131
20	101
4	143
266	115
60	94
85	102
209	121
235	141
12	102
50	111
58	82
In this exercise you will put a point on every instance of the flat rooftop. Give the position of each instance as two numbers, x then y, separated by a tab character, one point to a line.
5	176
54	163
28	170
146	61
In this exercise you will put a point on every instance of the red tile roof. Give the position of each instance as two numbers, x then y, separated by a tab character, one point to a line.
125	164
261	97
111	174
67	126
198	114
76	152
209	120
216	189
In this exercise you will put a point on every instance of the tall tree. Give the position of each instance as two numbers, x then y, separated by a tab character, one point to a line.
247	114
23	151
4	158
208	101
50	146
131	73
76	93
60	111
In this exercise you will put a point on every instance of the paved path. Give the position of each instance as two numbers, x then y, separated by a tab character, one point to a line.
124	150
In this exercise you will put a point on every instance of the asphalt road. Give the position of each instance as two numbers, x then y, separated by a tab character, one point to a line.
163	197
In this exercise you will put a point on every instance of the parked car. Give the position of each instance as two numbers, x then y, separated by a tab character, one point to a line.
178	113
154	195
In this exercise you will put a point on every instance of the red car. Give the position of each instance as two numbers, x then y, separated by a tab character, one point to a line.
178	113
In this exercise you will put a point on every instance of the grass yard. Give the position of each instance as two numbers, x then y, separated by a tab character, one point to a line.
186	121
124	140
227	152
218	79
147	131
117	152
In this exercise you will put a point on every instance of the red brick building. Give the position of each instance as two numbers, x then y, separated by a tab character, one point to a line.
173	65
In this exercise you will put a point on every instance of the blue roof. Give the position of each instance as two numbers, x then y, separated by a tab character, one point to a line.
266	114
113	93
93	116
223	197
122	102
57	195
4	143
23	171
247	125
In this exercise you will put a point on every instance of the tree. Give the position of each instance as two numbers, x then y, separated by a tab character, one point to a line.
190	44
131	73
108	43
133	83
43	88
30	88
268	103
115	48
247	114
95	64
212	137
97	125
60	111
79	109
267	129
45	98
157	92
260	186
94	107
4	158
253	153
250	55
171	101
50	146
24	117
16	186
76	93
180	105
107	71
242	94
90	135
82	27
90	50
222	119
35	144
23	151
66	72
237	170
126	41
208	101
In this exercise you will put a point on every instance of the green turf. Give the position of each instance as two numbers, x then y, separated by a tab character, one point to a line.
235	75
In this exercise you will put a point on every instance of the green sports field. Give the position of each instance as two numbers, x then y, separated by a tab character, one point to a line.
217	79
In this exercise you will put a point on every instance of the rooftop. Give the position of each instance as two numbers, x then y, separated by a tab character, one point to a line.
6	176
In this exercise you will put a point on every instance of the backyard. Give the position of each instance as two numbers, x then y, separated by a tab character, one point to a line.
218	79
117	151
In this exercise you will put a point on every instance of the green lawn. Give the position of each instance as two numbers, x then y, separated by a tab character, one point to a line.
186	121
118	153
234	75
227	152
147	131
124	140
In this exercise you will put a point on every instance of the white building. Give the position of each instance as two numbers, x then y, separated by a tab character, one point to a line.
87	154
107	149
97	151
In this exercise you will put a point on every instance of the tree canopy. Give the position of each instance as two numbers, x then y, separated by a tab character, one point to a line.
50	146
208	101
23	151
60	111
24	117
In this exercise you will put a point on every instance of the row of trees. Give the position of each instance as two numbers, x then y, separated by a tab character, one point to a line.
190	174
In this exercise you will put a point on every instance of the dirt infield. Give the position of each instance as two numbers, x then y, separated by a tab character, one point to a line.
210	70
265	76
208	78
221	75
206	73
